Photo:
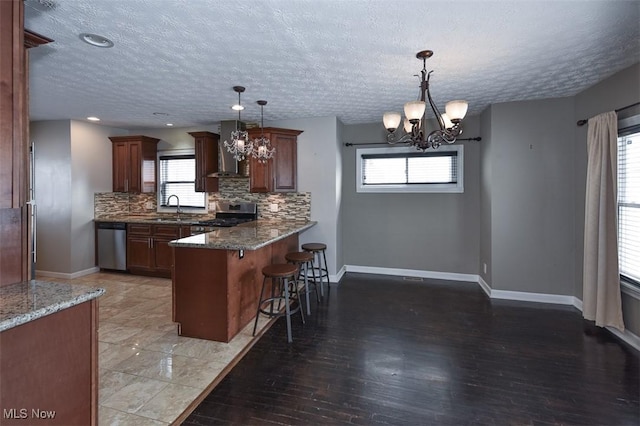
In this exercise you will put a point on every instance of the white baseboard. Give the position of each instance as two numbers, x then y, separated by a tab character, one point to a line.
626	336
67	276
557	299
337	277
412	273
484	286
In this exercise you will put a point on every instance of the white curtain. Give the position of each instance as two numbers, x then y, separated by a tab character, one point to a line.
601	287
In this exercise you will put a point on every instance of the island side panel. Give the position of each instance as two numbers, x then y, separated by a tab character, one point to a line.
245	282
50	365
280	248
200	293
245	279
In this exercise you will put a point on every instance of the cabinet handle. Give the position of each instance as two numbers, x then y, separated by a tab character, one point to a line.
126	185
151	239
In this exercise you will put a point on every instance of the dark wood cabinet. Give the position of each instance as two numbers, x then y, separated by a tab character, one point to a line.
134	163
14	133
148	250
206	152
278	174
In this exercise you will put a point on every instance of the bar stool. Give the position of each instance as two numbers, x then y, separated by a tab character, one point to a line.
281	275
304	260
319	253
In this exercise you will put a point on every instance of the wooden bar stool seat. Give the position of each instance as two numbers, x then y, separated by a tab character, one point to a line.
304	262
319	263
284	287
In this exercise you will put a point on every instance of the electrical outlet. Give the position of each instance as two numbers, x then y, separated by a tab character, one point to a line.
148	205
212	207
273	207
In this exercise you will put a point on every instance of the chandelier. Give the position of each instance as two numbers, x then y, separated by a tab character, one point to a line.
240	145
449	124
261	150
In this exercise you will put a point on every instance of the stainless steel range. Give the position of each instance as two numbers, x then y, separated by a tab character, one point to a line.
227	215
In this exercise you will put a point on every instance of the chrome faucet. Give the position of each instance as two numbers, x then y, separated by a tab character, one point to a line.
178	210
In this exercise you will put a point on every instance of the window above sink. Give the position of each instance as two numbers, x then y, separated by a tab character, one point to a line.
176	176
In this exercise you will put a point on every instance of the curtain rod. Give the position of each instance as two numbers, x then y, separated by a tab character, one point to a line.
477	139
583	121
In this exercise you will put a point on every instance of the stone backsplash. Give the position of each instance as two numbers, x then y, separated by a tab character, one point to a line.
121	203
291	205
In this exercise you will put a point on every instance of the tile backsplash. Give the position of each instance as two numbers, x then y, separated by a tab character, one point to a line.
290	205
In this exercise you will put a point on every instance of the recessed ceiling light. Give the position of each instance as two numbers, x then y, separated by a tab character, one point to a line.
96	40
93	119
237	107
169	124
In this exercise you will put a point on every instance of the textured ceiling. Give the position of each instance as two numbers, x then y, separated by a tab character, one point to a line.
352	59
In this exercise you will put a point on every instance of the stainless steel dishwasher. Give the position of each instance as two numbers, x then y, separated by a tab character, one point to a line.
112	245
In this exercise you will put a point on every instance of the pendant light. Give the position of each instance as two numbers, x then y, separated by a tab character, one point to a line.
240	145
261	145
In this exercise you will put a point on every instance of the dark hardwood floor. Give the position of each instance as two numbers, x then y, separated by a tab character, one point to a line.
382	350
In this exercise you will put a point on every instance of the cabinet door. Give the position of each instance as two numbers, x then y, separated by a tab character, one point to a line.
206	153
285	162
261	176
162	253
120	166
139	252
134	183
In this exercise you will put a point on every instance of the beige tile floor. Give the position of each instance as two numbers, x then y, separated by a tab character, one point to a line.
148	374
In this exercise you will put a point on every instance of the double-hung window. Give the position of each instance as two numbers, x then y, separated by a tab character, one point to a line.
409	170
629	203
177	177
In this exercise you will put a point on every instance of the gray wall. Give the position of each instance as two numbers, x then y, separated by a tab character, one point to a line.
73	160
486	176
319	170
616	92
91	172
532	211
53	194
426	232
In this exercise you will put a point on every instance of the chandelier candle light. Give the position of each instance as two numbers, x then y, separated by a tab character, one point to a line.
449	124
261	145
240	145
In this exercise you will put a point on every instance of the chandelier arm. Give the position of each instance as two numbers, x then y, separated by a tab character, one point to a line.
434	108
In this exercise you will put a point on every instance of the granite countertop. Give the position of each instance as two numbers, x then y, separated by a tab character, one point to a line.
155	219
247	236
28	301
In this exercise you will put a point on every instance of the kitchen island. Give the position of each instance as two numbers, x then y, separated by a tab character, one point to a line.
48	354
217	276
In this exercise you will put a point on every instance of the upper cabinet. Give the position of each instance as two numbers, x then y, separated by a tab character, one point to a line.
134	163
206	151
278	174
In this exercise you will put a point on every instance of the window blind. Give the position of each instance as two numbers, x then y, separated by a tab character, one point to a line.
629	204
177	177
410	168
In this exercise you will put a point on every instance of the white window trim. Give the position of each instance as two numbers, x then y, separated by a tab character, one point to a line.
403	188
159	208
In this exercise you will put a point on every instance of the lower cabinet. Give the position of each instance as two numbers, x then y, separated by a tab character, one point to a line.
148	251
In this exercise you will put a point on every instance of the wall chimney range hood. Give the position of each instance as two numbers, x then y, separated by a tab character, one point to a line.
227	165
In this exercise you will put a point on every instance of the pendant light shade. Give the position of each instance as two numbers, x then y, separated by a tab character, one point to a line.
391	120
456	110
414	110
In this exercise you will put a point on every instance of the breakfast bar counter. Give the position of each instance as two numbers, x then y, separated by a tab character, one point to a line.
246	236
217	276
